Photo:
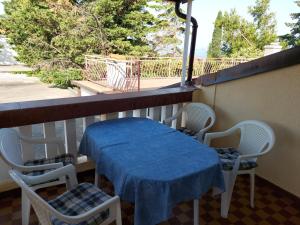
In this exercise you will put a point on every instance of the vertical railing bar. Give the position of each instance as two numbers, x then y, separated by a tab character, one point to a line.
183	117
163	113
87	121
27	148
103	117
174	111
70	137
136	113
139	75
49	132
121	114
151	113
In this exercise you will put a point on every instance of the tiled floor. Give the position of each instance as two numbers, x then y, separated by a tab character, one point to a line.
273	206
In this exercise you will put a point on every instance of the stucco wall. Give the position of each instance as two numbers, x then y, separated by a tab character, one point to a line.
273	97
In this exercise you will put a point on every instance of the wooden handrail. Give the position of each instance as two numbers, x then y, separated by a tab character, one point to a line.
33	112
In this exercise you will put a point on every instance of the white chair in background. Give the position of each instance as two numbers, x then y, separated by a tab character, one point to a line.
256	139
199	118
11	153
81	204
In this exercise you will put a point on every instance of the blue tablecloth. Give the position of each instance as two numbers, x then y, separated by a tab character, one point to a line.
151	165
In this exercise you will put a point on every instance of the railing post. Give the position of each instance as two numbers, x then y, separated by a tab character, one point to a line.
163	113
103	117
70	137
139	74
151	113
136	113
169	68
183	117
203	66
87	121
121	114
174	111
28	153
49	132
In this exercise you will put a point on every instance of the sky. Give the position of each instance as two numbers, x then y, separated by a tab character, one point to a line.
206	11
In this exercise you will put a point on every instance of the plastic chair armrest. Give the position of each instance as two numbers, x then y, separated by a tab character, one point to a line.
39	167
203	131
209	136
168	120
68	170
251	155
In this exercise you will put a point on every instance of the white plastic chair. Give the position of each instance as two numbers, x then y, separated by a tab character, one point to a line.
199	119
11	153
256	139
81	204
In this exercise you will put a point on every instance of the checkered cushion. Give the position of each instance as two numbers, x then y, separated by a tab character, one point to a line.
228	157
79	200
188	132
64	158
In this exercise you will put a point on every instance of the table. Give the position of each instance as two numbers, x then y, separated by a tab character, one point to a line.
151	165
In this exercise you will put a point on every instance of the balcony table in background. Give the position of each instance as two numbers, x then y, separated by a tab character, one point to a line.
151	165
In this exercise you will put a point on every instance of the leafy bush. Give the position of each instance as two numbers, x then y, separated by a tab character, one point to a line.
59	78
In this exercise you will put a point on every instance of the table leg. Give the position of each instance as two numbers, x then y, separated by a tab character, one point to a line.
196	211
97	179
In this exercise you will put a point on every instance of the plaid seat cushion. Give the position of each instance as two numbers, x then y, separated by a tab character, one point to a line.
79	200
64	158
228	157
188	132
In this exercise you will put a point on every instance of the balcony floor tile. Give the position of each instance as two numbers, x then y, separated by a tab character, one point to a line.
273	206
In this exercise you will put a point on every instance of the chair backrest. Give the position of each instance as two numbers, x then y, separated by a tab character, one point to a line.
197	116
10	147
39	205
256	137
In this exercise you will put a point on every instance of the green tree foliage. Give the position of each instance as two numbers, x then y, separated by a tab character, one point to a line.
293	39
239	37
265	23
56	34
37	29
125	25
214	49
68	29
242	38
165	39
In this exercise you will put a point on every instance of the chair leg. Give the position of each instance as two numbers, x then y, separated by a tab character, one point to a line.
25	209
252	187
118	214
97	179
226	196
71	179
196	212
225	204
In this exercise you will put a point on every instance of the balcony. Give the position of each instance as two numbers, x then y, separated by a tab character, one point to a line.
264	89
